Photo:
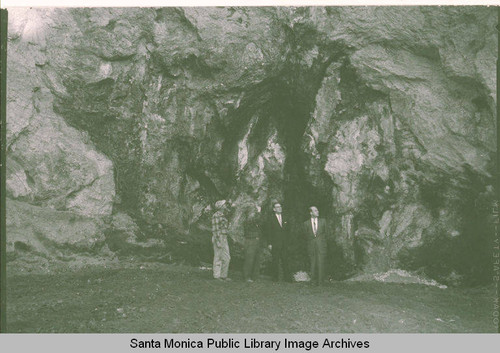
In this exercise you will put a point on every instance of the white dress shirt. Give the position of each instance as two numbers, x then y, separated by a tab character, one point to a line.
314	223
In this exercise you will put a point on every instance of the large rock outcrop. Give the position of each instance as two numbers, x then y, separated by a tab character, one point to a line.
383	117
64	187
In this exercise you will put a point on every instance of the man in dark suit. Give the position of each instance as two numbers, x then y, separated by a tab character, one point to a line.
278	237
316	233
253	245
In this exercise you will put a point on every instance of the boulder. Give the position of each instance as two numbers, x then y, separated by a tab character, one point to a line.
50	232
49	163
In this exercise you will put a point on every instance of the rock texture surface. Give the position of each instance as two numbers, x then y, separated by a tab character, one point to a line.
383	117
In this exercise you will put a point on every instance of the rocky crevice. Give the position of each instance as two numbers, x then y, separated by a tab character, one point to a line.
382	117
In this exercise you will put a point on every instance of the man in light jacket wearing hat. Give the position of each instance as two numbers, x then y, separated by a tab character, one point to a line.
219	241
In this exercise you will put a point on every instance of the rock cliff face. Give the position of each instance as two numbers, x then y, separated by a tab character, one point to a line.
383	117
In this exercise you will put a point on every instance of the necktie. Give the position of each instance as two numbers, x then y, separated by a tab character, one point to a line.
315	225
279	220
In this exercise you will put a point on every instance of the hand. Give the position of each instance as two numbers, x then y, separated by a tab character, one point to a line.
270	247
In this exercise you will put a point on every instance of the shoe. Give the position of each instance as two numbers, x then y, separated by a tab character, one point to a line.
227	279
250	280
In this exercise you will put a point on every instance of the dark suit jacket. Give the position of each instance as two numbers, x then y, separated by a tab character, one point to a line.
321	234
275	234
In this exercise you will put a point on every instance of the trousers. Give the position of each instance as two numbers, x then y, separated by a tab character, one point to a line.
280	255
221	259
317	257
251	265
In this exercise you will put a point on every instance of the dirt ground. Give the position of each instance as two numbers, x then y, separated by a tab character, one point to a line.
159	298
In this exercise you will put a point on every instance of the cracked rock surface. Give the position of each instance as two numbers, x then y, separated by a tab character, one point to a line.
382	117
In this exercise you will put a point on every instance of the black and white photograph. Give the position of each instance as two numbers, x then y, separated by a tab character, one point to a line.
251	169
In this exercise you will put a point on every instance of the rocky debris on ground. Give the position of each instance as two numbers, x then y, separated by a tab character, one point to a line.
301	276
397	276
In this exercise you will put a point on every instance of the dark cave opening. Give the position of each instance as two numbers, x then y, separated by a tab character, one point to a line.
291	113
171	115
291	106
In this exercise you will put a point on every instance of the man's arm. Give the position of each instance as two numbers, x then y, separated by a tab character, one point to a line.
266	233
